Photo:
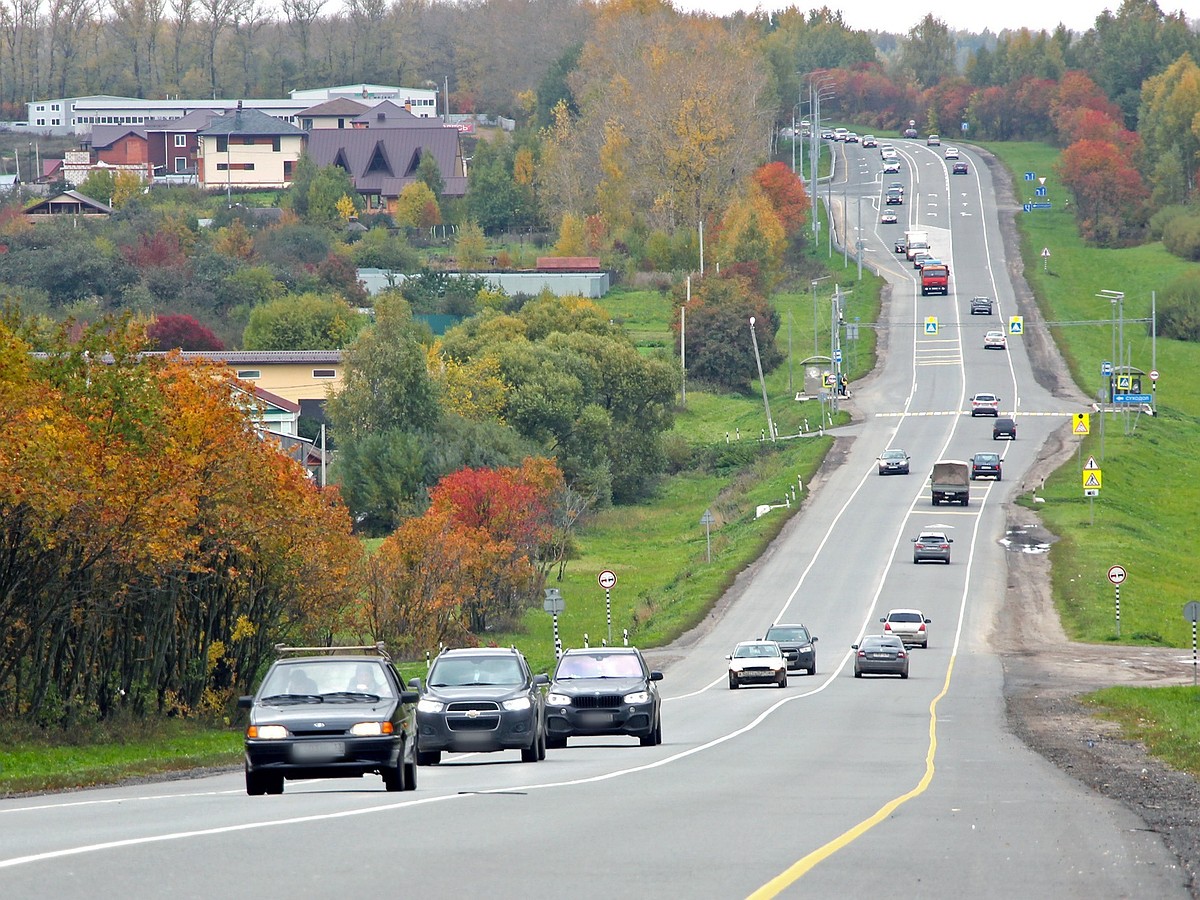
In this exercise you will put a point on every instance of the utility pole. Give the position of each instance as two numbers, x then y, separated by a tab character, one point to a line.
762	381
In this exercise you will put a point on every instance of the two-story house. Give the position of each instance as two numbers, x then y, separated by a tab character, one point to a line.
336	113
247	149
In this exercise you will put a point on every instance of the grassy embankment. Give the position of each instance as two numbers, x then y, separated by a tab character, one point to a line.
1146	512
657	548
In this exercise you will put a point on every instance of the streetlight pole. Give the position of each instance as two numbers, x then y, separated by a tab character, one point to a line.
816	326
762	381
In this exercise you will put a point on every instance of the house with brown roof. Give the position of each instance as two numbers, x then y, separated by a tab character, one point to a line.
248	149
68	203
382	160
336	113
121	146
173	145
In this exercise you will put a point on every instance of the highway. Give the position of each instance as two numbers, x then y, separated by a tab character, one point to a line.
831	787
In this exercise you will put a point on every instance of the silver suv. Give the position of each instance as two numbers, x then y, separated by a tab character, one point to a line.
981	306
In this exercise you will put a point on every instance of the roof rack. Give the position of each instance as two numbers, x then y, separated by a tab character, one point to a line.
378	647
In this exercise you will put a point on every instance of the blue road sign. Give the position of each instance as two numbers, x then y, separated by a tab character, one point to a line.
1132	398
837	355
1029	176
1106	368
1028	207
1041	192
1040	205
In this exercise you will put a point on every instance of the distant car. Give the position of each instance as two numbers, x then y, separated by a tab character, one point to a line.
893	197
893	462
987	465
891	165
1004	428
900	246
887	218
918	258
950	153
336	716
879	654
887	150
896	186
981	306
797	644
959	168
604	690
839	134
757	662
931	546
481	700
933	141
995	340
984	404
869	141
851	137
827	134
908	625
910	132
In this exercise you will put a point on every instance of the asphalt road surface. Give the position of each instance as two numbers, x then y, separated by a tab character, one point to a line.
831	787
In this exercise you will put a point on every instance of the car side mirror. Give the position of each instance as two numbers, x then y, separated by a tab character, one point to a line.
541	678
814	638
914	540
949	540
409	696
883	618
854	646
729	656
414	683
656	676
929	621
245	702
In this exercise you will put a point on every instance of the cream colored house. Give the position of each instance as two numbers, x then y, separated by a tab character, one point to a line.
247	149
305	377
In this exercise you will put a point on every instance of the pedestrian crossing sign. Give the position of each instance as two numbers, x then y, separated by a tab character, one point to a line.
1016	324
1091	478
1080	424
931	324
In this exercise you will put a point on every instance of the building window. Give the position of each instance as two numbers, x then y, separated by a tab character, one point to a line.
248	140
324	373
222	144
249	374
275	144
235	167
54	107
180	165
288	168
181	140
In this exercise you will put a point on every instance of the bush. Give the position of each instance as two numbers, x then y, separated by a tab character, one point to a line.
1166	215
1179	311
1181	237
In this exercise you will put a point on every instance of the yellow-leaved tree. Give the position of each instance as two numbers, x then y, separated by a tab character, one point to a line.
752	233
570	236
417	207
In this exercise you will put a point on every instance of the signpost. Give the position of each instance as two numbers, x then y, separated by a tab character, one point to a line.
607	580
1191	612
707	520
1045	252
554	605
1117	574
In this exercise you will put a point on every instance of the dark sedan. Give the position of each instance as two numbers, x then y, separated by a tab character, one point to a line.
481	699
880	655
341	716
603	690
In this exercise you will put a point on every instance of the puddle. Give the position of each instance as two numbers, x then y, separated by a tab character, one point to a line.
1025	540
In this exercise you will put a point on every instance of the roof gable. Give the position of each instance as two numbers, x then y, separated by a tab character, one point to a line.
249	122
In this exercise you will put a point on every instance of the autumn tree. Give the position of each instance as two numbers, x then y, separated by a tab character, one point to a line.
1170	130
1110	198
719	348
302	322
417	207
786	193
181	332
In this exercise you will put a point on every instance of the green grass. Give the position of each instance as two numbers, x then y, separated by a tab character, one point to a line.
1165	719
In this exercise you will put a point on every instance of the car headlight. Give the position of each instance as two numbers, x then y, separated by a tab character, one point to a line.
516	703
267	732
558	700
426	705
806	648
371	729
637	697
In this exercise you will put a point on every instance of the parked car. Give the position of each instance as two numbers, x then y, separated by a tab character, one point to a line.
481	700
985	404
909	625
757	662
879	654
603	690
887	218
933	141
798	646
986	465
343	715
959	168
931	546
995	340
950	153
981	306
893	462
1004	428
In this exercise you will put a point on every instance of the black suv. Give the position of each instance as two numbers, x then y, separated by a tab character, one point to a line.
331	716
981	306
797	645
479	700
603	690
1004	427
986	465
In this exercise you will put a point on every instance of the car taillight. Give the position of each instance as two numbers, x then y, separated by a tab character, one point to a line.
901	654
944	547
862	652
887	626
922	628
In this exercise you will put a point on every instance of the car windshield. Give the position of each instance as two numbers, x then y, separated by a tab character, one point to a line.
322	679
784	633
907	616
744	651
880	644
893	454
987	457
925	539
600	665
471	670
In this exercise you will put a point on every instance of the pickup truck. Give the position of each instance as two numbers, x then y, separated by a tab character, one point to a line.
935	279
950	482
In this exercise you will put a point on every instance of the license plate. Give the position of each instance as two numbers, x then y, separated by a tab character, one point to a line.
596	718
318	751
880	656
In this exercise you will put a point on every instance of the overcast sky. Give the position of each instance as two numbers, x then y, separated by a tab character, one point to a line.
965	15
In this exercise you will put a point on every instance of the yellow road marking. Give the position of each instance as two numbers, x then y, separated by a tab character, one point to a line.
802	866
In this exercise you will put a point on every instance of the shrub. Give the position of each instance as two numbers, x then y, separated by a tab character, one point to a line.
1181	236
1179	311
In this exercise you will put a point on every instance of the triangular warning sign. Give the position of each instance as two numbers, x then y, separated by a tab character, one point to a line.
1081	427
1091	480
1091	464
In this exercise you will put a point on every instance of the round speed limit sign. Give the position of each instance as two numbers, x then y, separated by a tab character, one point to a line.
1116	574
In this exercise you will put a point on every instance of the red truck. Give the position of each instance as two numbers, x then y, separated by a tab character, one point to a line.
935	280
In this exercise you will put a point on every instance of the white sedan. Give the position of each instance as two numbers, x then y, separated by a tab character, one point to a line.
757	662
951	153
995	340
